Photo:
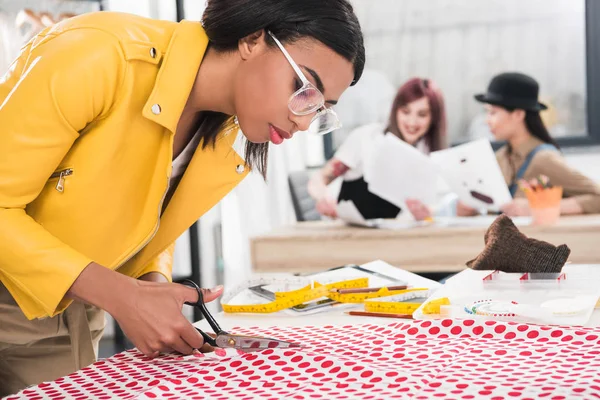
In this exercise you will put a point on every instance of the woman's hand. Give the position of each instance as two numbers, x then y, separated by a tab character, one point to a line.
152	318
148	312
517	208
462	210
419	210
327	206
317	186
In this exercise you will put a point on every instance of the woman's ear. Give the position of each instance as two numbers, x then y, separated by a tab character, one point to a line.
252	44
519	115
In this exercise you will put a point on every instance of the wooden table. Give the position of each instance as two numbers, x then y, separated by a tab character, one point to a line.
315	246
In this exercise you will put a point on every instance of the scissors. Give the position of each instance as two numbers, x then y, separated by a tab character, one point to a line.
224	339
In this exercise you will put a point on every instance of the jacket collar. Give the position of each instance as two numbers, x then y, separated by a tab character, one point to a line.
176	75
213	171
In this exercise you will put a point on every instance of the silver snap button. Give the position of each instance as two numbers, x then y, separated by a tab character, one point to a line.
156	109
153	52
240	169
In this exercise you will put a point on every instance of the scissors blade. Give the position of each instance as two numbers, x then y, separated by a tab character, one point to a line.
253	343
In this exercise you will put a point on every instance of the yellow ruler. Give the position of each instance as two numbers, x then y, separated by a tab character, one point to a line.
364	297
434	306
398	303
313	291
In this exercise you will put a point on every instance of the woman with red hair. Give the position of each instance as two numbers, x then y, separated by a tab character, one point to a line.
417	116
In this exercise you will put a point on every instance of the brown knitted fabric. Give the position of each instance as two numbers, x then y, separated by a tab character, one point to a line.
507	249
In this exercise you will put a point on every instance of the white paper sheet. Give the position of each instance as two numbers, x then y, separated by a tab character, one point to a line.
472	172
396	171
581	285
347	212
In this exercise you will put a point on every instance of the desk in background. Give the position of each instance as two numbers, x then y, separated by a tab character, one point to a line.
318	245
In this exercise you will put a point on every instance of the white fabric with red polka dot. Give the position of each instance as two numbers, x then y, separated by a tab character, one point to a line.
447	359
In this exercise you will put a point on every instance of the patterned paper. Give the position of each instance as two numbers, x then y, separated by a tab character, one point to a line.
449	359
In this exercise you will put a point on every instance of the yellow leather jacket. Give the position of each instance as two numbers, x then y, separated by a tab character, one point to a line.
87	117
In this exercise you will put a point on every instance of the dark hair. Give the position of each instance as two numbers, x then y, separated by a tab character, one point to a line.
415	89
331	22
535	125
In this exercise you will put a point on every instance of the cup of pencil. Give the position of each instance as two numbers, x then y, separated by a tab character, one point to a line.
544	199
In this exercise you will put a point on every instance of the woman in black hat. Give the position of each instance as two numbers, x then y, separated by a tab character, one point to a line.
513	115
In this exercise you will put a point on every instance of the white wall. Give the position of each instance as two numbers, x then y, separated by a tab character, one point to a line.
145	8
461	44
585	160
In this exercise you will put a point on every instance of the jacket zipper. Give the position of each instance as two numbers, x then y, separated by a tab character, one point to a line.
60	185
156	227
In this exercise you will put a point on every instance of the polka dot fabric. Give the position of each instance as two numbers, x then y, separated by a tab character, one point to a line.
447	359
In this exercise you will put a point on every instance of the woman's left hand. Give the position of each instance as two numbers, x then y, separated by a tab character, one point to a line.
419	210
517	208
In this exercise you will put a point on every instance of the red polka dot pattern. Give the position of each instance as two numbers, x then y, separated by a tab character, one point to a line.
447	359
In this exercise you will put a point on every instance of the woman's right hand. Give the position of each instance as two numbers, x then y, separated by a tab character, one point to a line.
317	186
463	210
151	317
419	210
327	206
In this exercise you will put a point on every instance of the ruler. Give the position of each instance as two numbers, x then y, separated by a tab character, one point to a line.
398	303
380	294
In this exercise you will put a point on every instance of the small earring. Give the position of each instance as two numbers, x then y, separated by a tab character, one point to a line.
235	120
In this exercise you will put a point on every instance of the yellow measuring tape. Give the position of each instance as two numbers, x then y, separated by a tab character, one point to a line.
367	297
314	291
398	303
285	300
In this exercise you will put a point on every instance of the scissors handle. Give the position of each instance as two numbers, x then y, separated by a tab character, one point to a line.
200	304
207	338
209	318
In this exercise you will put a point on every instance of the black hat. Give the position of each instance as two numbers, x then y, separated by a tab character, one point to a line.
513	90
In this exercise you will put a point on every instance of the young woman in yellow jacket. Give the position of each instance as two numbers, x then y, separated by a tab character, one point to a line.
100	118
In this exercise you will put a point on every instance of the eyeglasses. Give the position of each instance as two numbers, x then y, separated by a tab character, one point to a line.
308	99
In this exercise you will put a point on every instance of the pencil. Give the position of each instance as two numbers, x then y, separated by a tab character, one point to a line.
377	314
367	290
541	183
545	182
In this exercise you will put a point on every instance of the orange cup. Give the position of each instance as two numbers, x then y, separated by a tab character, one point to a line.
545	205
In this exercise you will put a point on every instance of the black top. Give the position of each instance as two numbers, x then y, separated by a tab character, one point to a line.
368	204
